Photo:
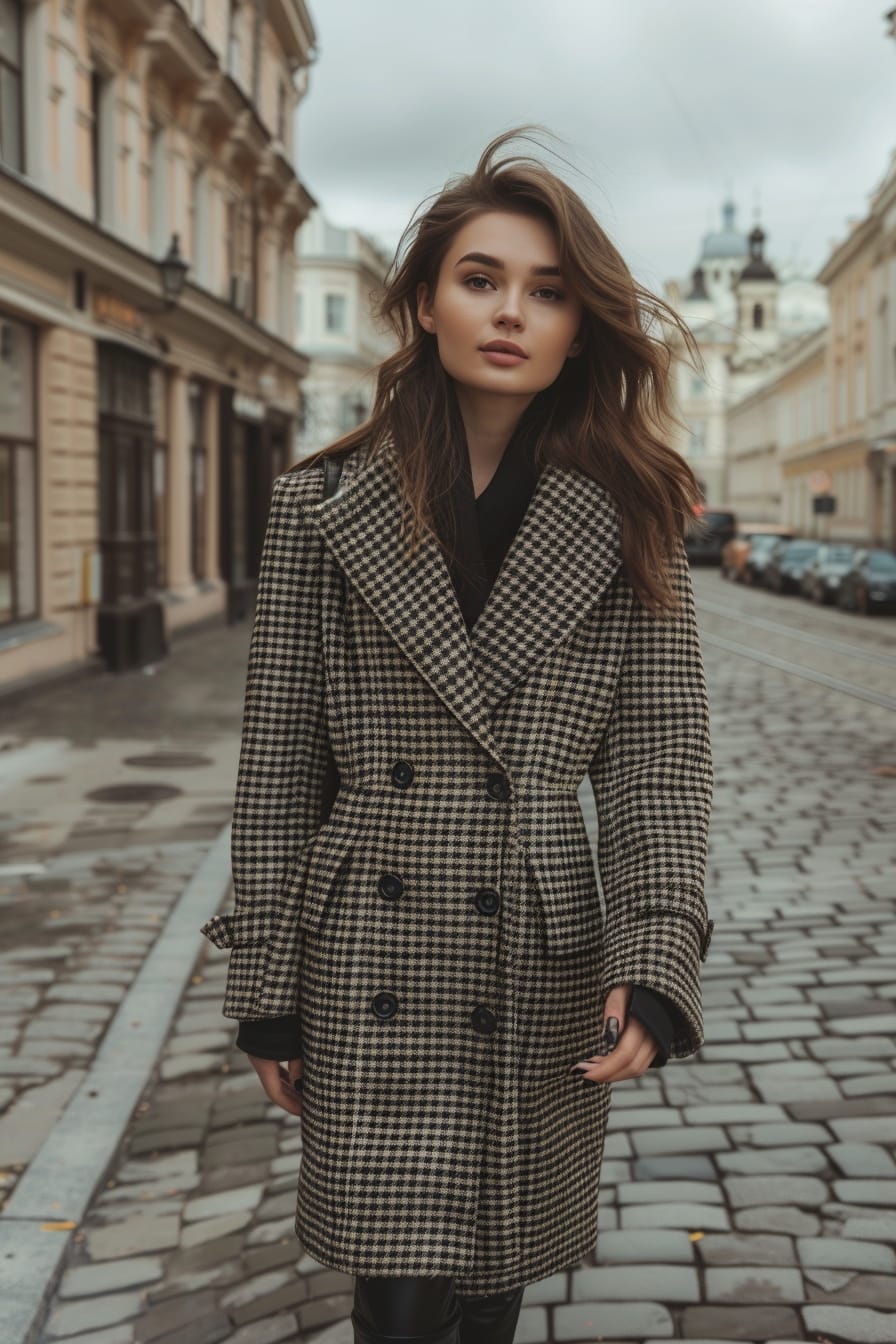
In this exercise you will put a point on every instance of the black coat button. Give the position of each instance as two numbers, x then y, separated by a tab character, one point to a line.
497	786
484	1020
391	886
402	773
487	901
385	1004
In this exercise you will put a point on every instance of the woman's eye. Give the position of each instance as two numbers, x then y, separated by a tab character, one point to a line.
544	289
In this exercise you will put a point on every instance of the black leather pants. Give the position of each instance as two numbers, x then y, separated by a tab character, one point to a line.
422	1310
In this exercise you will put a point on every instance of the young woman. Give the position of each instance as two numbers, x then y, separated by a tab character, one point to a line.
494	604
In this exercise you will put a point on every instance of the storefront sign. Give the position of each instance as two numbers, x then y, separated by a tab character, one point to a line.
110	308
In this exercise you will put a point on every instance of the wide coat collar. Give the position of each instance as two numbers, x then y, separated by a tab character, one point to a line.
562	557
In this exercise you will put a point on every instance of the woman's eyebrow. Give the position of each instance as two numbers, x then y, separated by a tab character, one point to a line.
485	260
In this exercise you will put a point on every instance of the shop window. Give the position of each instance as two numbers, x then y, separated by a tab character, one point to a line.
18	474
11	151
127	538
198	476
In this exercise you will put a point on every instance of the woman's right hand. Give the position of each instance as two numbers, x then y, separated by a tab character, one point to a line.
280	1083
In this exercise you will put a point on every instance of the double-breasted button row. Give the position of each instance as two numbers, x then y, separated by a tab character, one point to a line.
497	785
385	1005
486	900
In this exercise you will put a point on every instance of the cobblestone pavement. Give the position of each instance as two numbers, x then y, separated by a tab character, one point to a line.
747	1194
112	789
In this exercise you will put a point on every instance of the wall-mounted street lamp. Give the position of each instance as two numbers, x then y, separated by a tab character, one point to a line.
173	269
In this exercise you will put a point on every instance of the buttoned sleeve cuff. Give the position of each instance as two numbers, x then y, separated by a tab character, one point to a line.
662	952
658	1014
271	1037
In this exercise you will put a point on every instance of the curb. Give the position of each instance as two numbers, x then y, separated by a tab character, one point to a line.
60	1182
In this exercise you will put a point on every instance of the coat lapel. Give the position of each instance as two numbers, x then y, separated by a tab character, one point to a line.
564	554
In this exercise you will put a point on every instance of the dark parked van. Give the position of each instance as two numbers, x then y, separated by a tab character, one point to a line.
708	533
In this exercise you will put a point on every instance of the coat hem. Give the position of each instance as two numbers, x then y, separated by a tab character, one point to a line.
467	1283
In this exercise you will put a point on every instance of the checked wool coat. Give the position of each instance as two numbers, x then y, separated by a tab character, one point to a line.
442	935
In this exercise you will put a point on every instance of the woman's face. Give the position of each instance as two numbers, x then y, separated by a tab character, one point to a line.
512	290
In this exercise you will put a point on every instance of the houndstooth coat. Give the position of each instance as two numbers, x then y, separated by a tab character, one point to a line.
443	936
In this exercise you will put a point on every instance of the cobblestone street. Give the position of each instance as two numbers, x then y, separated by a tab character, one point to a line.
747	1193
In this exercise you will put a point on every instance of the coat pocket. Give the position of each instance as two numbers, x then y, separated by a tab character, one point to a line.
562	869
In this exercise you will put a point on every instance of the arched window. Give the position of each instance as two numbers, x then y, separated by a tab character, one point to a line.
757	316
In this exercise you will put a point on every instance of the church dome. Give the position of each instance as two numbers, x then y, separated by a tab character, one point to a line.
726	244
757	268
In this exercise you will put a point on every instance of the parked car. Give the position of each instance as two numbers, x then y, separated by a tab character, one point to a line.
821	577
787	562
707	535
869	585
736	552
762	548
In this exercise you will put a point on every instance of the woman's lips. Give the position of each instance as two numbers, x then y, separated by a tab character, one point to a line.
503	357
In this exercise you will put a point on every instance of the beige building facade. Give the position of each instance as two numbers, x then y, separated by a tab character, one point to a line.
141	422
823	420
340	271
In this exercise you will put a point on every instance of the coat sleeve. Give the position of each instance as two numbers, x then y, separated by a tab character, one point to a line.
282	761
653	778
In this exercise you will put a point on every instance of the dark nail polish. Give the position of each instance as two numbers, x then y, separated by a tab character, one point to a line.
611	1032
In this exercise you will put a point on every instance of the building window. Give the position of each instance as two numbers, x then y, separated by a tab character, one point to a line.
335	312
841	397
233	40
199	230
198	510
18	474
102	145
158	199
861	401
11	150
757	317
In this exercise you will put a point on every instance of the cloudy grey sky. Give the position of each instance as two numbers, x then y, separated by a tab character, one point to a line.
661	108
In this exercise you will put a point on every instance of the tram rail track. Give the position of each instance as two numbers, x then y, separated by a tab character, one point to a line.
803	640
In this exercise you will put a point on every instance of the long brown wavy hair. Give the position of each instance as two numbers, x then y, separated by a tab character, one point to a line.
607	412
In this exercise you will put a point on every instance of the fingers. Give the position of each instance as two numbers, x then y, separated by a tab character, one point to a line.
282	1085
631	1057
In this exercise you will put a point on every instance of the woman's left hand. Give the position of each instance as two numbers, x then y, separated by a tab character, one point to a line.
635	1046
